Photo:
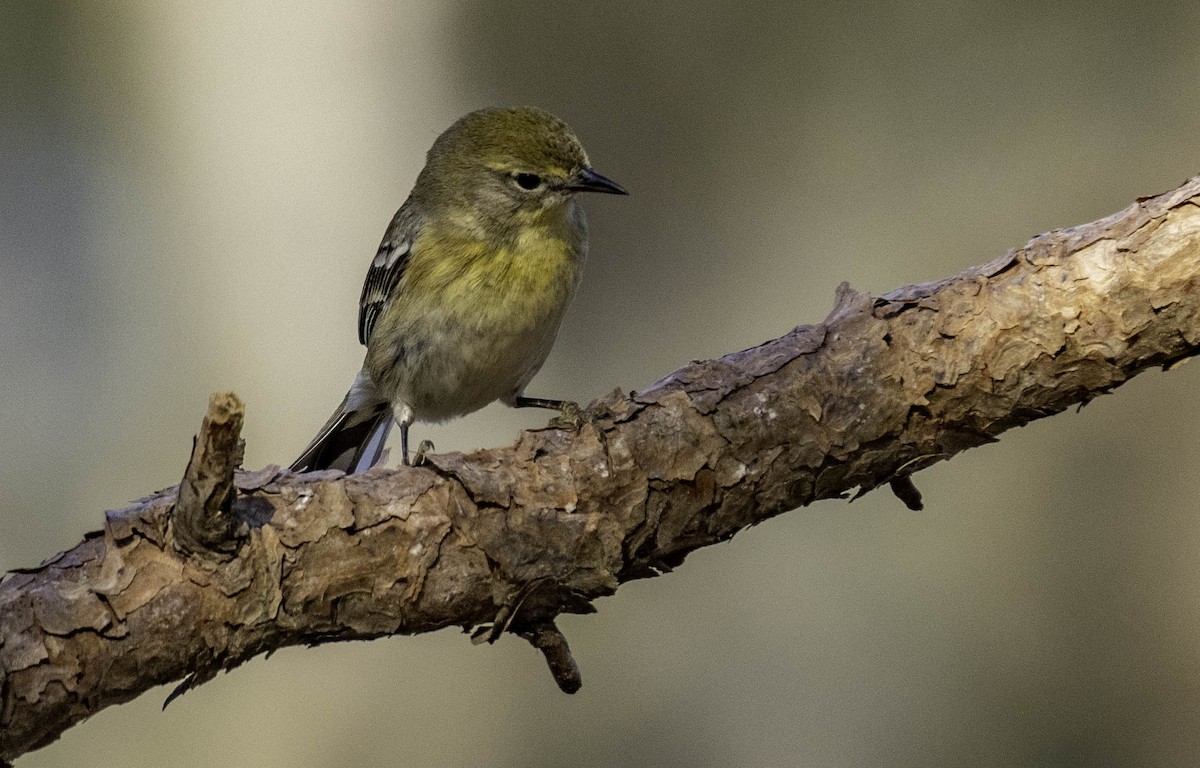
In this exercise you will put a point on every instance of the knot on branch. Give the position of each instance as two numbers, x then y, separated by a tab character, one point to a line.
548	639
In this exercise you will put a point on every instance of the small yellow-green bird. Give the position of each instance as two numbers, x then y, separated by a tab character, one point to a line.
464	297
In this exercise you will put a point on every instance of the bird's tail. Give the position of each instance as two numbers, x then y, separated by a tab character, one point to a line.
353	438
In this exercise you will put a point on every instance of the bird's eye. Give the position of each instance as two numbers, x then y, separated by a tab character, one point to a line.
528	181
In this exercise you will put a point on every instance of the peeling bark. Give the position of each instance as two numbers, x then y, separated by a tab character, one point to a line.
506	539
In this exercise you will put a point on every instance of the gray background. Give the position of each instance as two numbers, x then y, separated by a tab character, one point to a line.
189	197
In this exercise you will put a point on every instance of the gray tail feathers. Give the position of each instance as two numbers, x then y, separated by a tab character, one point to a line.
354	437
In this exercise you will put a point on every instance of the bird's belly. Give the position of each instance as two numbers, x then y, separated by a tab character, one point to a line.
446	364
463	369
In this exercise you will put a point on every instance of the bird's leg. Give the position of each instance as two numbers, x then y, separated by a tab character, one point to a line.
569	412
405	417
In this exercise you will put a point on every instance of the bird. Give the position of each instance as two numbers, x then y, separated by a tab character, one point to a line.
464	297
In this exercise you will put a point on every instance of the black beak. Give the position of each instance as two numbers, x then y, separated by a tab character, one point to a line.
588	180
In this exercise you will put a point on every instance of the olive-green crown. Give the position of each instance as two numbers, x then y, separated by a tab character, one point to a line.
499	139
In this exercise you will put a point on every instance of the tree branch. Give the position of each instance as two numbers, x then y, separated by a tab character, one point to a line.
506	539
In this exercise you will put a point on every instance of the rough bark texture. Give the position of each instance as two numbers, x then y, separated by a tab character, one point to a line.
506	539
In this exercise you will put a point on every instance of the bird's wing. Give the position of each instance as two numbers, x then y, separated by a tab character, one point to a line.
383	277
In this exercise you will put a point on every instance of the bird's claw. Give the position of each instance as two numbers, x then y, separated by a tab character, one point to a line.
572	416
418	458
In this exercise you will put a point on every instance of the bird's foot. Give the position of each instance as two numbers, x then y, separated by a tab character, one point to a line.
418	458
571	416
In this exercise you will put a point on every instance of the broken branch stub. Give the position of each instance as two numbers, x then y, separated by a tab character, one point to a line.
203	521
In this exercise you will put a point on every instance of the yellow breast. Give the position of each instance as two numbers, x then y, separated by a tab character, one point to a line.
511	281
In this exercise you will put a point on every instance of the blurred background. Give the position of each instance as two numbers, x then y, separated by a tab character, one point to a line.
189	198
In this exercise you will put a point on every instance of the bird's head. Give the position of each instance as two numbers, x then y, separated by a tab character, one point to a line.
502	165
